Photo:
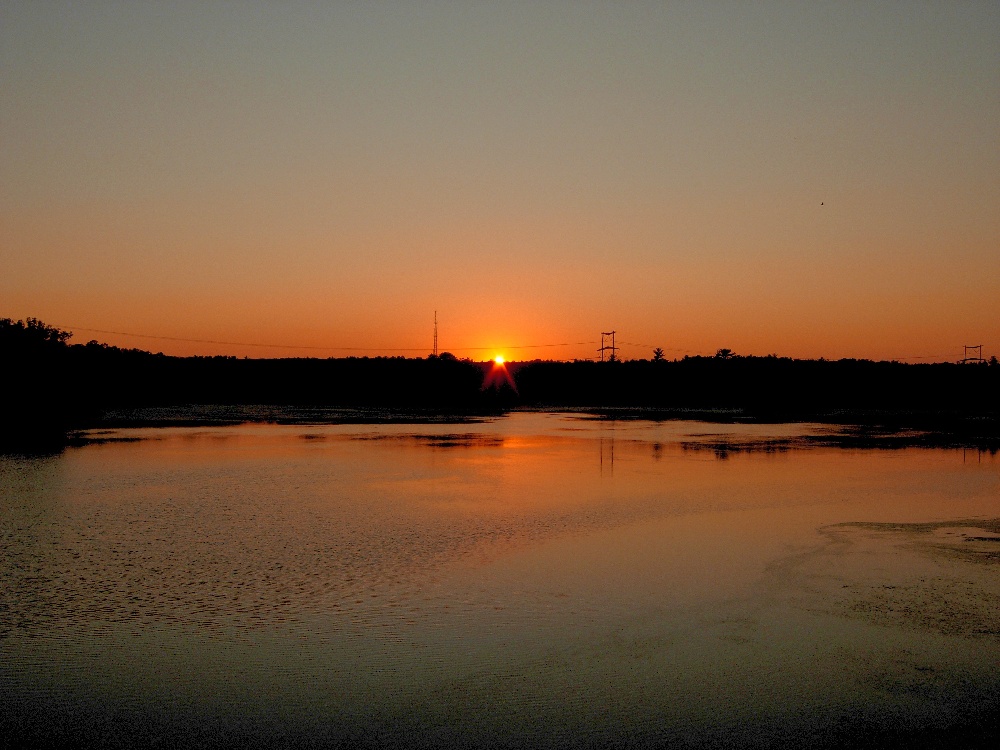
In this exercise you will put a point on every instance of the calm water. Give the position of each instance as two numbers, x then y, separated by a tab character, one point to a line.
538	580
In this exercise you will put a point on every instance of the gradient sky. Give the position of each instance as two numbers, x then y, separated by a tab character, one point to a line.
803	178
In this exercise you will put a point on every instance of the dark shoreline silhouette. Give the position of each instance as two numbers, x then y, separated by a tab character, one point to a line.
53	388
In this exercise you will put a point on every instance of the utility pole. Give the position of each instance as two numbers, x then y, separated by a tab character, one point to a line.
605	335
435	333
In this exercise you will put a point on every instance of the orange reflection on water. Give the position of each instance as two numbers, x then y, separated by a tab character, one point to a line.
558	570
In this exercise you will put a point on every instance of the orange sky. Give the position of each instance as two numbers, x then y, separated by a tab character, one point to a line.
808	181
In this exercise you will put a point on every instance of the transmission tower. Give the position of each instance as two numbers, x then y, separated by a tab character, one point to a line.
605	335
435	333
976	349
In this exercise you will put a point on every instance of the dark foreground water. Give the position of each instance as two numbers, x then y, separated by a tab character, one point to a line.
541	580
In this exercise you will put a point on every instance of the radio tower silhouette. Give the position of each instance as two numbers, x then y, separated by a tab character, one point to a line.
435	333
604	347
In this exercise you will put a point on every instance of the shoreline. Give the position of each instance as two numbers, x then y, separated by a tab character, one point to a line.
860	429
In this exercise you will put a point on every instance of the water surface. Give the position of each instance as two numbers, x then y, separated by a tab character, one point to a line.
536	580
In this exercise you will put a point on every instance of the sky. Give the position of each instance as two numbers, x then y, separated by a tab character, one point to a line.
317	179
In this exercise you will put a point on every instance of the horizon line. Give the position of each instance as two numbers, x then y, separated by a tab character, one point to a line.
936	357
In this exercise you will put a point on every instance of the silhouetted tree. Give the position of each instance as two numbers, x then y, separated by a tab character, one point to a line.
30	332
36	399
657	354
724	354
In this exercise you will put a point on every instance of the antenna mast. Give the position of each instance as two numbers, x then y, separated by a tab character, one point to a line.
435	333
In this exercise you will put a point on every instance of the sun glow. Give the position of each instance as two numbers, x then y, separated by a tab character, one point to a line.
499	359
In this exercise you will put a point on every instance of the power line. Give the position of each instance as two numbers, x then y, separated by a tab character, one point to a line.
665	348
937	357
527	346
318	348
240	343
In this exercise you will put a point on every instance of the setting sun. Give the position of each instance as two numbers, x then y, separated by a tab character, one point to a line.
499	359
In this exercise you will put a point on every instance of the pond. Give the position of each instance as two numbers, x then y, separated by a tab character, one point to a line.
542	579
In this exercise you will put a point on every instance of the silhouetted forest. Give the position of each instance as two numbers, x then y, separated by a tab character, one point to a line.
51	387
765	387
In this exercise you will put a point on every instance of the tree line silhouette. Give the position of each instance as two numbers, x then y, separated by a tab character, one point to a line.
51	386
